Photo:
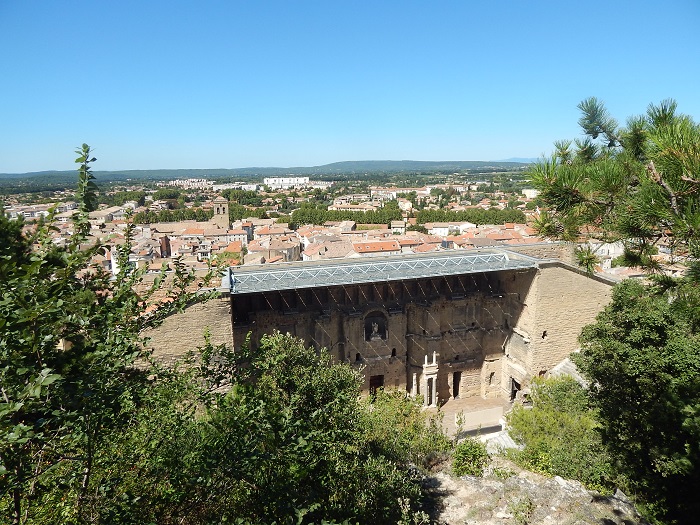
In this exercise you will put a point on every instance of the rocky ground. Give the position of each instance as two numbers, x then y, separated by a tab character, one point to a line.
509	495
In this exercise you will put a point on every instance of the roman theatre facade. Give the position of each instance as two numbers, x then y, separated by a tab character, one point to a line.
447	325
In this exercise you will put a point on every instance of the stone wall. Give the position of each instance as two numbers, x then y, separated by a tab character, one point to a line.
487	332
567	299
184	331
560	302
546	250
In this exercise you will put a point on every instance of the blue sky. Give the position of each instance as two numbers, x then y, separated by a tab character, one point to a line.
226	84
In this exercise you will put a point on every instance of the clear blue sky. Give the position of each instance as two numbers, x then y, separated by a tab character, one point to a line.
225	84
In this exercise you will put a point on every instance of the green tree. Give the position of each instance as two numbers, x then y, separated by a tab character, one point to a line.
69	335
288	438
396	427
559	434
638	184
476	216
167	194
417	228
641	357
120	197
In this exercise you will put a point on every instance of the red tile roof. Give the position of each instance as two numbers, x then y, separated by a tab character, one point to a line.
376	246
424	248
234	247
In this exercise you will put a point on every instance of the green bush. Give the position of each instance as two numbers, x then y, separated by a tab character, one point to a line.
396	427
522	510
560	434
470	458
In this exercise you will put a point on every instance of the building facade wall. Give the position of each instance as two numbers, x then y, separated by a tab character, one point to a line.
395	331
484	334
560	302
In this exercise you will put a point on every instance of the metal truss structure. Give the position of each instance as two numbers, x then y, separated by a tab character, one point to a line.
292	276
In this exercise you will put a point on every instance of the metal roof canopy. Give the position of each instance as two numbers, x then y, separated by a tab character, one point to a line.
291	276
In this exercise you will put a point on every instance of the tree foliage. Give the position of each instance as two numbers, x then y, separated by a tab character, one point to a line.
638	184
477	216
470	458
288	440
69	335
642	359
243	197
167	194
87	189
559	434
120	197
310	214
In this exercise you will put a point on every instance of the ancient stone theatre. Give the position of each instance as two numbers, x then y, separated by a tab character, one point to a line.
441	326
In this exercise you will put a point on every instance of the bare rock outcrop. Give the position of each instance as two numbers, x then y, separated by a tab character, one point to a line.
508	495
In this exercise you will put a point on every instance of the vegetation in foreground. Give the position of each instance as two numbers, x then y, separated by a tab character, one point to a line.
642	357
636	426
469	458
560	435
639	185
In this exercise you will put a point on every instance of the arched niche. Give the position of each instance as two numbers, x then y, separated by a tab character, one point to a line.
376	326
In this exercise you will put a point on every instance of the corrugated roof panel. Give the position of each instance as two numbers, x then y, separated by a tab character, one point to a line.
290	276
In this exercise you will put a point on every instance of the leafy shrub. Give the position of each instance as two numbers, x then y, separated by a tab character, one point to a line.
522	510
560	434
502	473
470	458
396	427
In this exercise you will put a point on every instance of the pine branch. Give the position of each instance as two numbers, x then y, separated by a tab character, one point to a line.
656	177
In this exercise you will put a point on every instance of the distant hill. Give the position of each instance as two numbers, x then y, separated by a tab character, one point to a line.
524	160
353	166
56	180
397	166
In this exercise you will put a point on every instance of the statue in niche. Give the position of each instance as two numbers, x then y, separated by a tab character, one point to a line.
375	328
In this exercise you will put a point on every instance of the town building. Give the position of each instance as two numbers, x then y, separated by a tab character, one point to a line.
285	183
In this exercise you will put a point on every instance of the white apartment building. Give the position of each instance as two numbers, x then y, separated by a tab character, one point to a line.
284	183
190	184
